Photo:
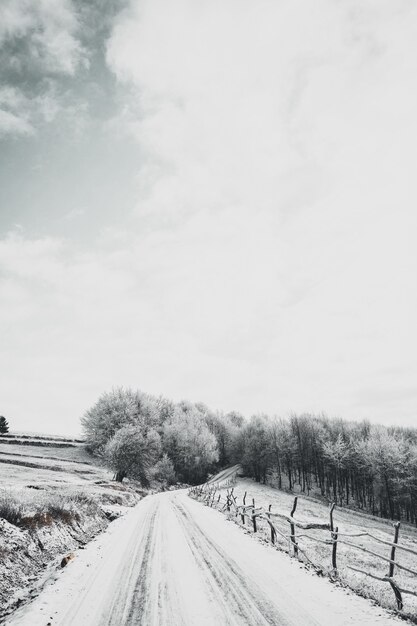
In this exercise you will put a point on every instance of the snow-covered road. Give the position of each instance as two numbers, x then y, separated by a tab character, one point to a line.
172	561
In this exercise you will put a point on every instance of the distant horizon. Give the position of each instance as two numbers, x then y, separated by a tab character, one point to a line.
79	433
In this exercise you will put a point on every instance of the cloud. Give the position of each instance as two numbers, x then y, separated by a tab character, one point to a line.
23	114
39	46
14	118
231	312
281	141
249	107
13	124
268	264
40	34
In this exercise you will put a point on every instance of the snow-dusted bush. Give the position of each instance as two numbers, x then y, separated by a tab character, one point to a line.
29	511
164	471
11	509
132	453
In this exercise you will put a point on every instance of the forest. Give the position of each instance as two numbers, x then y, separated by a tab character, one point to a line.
356	464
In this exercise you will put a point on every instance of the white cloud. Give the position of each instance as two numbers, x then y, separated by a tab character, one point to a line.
263	104
39	41
50	30
285	134
269	264
12	124
14	118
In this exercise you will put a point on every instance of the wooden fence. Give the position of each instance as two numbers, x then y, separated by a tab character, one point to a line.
249	513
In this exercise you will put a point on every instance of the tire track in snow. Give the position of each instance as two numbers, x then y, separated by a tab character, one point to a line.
146	596
131	594
170	562
242	601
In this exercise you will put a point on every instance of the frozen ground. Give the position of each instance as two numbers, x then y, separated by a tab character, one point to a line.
172	561
65	499
349	522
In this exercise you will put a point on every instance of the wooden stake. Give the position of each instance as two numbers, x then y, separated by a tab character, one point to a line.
331	516
396	533
253	516
334	550
397	594
395	589
272	528
292	527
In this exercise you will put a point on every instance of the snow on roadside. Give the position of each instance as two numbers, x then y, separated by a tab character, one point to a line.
175	561
52	525
309	509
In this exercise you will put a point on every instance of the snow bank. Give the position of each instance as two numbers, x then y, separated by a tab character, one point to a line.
33	546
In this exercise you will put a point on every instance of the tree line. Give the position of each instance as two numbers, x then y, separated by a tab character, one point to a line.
367	466
358	464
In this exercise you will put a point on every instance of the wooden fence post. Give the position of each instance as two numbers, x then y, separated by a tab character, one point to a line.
396	533
228	501
292	527
272	529
244	511
334	548
232	498
395	589
253	516
331	516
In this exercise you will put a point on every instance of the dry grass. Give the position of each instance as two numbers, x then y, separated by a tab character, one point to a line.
33	511
11	509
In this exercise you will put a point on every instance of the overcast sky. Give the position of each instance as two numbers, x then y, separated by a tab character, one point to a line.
208	199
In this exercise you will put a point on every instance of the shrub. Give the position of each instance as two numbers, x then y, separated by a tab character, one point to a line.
164	471
34	511
132	453
10	508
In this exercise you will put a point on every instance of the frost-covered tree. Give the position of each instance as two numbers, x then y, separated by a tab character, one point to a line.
388	454
133	454
356	463
225	429
256	448
336	454
189	443
164	471
117	408
4	426
112	411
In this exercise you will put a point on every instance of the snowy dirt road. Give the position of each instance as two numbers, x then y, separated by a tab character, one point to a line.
172	561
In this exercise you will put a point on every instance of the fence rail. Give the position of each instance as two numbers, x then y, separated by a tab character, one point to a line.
211	496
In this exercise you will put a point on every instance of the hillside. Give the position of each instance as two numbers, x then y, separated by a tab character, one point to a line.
54	498
374	535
